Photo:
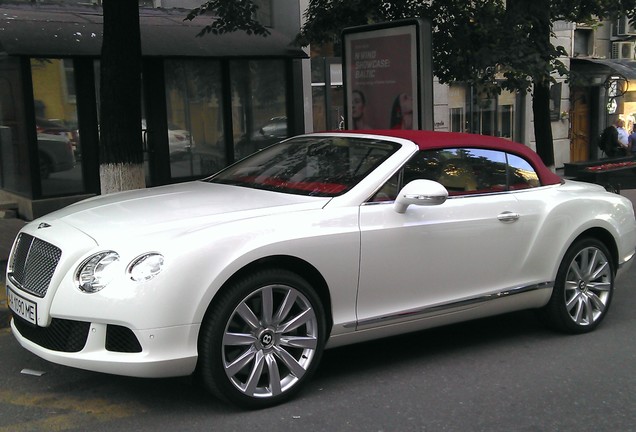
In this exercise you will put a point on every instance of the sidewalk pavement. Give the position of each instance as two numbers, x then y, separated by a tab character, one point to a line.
10	227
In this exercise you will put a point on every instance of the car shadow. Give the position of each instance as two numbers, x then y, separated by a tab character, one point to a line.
436	343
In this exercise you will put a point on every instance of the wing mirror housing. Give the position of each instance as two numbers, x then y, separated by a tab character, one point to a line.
421	193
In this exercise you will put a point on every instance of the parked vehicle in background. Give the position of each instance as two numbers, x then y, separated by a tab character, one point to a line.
53	127
55	154
180	141
271	132
321	240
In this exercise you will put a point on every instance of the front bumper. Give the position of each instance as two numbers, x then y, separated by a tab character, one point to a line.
163	352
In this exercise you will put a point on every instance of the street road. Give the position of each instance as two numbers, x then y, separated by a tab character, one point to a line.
506	373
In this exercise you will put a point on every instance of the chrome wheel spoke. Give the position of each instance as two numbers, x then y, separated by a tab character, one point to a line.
274	375
588	316
573	302
248	316
596	302
299	342
600	271
578	310
267	305
591	258
237	339
290	362
600	286
251	384
297	321
576	270
237	365
286	306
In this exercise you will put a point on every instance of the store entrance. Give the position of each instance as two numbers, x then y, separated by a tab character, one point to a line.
581	139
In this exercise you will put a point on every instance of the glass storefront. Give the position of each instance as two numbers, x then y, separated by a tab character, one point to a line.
259	105
58	141
14	156
204	105
195	117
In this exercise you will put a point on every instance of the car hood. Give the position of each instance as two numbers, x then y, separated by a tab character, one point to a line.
178	207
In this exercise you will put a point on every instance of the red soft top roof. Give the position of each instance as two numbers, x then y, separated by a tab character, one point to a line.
429	140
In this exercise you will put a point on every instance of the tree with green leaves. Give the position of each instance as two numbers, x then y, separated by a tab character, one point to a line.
477	42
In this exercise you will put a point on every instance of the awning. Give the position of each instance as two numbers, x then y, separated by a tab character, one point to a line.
624	68
61	31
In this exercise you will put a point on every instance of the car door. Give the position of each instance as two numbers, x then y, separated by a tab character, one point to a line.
435	257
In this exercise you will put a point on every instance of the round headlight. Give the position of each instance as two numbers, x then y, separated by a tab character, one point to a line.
97	271
145	267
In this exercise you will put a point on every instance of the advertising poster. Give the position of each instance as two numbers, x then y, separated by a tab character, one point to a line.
383	87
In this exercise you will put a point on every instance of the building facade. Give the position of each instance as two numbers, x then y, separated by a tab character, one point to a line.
207	101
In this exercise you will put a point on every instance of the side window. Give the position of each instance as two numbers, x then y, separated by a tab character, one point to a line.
463	171
521	174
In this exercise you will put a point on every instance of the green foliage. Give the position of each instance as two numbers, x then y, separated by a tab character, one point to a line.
476	42
230	16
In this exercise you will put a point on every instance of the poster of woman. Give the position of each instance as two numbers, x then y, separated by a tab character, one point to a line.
382	85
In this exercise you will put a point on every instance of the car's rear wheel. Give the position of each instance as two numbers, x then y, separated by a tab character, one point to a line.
583	288
262	339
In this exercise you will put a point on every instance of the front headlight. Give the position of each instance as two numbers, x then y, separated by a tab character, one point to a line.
145	267
97	271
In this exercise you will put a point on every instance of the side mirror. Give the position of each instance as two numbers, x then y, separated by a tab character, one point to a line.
422	193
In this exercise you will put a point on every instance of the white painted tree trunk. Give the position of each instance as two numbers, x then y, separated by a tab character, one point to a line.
119	177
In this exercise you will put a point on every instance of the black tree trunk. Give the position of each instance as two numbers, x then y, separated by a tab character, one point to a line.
121	154
540	37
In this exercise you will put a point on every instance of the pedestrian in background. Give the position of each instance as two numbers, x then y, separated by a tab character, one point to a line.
631	141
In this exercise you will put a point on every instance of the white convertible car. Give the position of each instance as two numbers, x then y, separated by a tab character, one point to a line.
322	240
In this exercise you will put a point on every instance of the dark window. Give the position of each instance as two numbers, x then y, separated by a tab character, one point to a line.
463	171
14	157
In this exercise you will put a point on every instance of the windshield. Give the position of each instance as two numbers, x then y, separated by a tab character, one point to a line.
322	166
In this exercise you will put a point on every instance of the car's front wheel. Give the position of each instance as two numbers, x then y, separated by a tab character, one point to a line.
262	339
583	288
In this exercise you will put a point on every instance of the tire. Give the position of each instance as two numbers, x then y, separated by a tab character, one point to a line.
261	340
583	288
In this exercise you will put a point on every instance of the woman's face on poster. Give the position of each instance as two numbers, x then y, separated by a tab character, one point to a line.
357	105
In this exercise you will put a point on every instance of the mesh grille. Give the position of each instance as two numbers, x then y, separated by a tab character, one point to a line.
121	339
62	335
33	264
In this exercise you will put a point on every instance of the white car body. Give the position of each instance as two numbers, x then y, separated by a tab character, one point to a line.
384	272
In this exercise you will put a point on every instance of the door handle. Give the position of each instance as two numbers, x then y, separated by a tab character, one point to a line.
508	216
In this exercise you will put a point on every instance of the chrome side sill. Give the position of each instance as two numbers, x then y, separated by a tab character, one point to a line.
415	314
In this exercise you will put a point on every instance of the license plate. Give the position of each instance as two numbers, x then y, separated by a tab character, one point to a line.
22	307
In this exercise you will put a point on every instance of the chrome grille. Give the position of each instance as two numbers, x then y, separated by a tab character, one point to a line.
33	264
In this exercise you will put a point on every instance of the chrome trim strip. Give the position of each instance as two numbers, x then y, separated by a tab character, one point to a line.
414	314
628	259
